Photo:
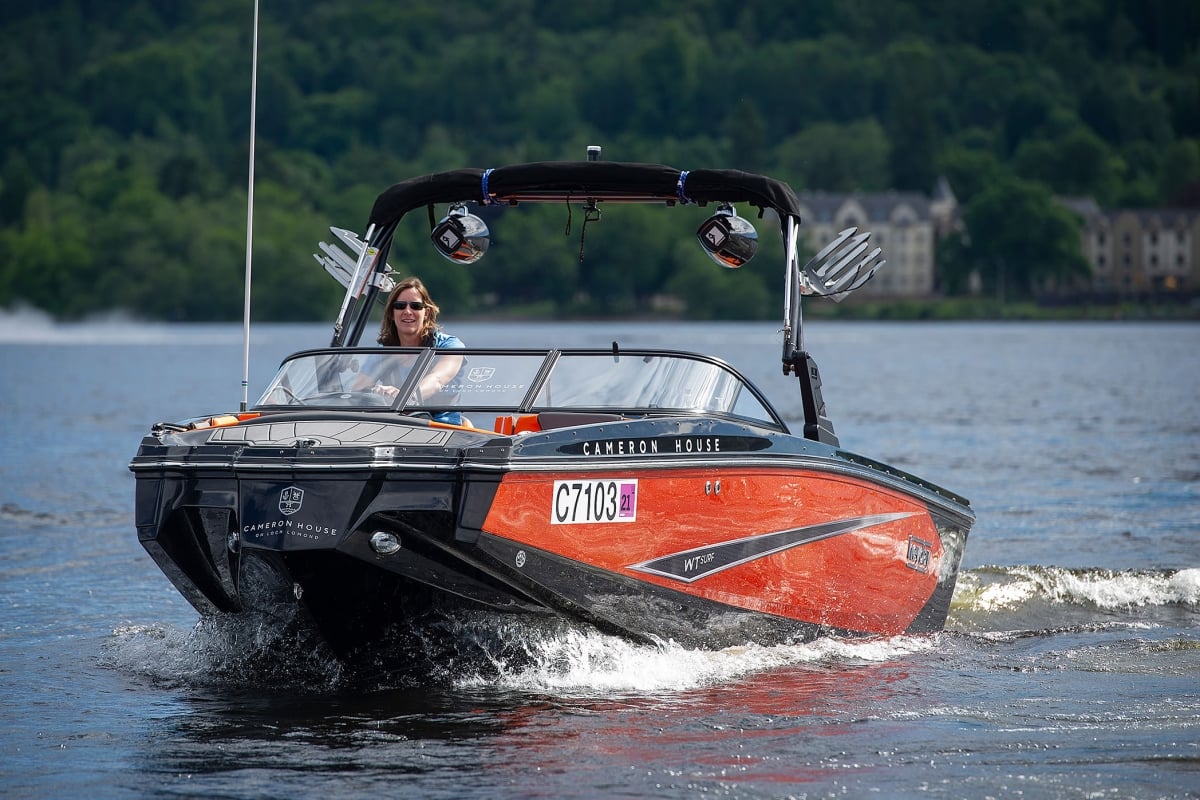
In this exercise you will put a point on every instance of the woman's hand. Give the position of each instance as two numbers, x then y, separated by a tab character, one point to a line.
389	392
428	387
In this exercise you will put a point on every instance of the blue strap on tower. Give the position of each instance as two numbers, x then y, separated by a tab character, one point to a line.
487	197
681	188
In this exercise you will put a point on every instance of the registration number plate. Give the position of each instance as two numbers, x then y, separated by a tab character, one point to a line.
594	501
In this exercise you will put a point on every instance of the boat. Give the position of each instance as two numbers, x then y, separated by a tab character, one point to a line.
654	494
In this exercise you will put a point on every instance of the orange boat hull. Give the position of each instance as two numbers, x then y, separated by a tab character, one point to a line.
773	541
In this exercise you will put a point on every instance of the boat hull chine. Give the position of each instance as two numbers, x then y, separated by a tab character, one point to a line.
185	531
636	609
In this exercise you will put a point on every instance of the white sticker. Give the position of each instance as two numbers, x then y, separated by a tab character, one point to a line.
594	501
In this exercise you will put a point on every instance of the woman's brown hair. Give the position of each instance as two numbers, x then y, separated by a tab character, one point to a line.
387	331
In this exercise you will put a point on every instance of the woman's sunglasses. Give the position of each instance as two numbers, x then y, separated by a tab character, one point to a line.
400	305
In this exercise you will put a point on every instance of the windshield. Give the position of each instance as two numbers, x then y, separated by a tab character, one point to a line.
524	381
623	381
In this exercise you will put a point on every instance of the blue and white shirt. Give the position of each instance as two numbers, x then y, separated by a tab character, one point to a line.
446	341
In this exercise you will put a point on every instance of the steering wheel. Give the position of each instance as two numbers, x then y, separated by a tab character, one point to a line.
291	396
350	399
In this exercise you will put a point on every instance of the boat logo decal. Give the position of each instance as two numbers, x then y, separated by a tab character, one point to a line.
691	565
583	501
520	559
919	554
290	500
480	374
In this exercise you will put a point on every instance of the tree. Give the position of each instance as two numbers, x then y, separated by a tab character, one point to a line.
126	141
912	84
837	158
1077	163
710	292
1020	240
1180	168
969	170
42	262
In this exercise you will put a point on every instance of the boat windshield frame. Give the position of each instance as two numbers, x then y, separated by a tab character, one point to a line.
635	383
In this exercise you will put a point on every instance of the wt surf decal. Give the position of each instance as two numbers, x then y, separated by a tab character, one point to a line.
700	562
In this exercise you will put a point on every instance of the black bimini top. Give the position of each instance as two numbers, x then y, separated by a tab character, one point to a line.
584	180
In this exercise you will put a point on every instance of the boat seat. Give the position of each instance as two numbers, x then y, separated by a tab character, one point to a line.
547	420
568	419
508	424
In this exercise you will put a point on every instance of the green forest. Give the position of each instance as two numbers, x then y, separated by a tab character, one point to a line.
126	138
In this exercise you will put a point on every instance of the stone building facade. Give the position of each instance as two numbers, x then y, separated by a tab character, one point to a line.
1140	251
1132	252
907	225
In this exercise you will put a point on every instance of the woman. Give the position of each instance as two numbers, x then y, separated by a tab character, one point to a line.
410	320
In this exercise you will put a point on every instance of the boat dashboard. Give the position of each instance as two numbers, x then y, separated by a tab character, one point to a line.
483	382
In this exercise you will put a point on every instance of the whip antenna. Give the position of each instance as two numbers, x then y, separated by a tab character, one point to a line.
249	218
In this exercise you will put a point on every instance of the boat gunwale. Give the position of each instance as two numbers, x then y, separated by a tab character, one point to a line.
835	463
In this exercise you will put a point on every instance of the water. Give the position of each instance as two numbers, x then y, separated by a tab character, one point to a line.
1070	666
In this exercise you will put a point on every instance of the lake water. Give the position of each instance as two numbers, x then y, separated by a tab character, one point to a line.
1069	668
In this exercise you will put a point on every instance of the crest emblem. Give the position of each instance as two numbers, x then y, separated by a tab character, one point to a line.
290	500
480	374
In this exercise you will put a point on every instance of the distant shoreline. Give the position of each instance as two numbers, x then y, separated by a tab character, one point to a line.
992	310
932	310
897	310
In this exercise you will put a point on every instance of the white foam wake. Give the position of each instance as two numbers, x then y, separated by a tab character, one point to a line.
581	660
997	589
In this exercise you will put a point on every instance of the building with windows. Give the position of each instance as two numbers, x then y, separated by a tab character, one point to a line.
1140	251
1132	252
906	225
